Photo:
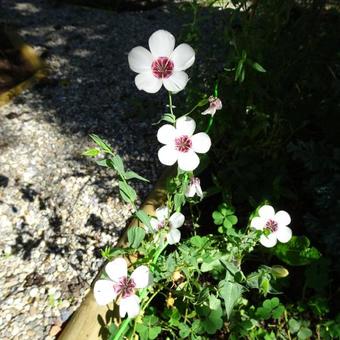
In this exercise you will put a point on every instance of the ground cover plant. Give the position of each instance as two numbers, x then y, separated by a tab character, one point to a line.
216	261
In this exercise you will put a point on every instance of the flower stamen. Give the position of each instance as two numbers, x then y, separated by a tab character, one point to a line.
162	67
183	143
125	287
272	225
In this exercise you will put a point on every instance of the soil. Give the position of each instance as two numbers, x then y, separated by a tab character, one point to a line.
13	67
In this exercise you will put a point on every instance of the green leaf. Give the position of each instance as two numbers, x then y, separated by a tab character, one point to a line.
118	165
199	241
131	174
91	152
104	162
232	219
127	192
179	200
101	143
144	218
304	333
135	236
213	322
169	117
294	325
184	330
227	224
230	292
218	217
256	66
297	252
239	69
278	311
154	332
214	302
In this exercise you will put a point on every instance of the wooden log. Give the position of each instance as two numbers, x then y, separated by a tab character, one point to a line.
88	321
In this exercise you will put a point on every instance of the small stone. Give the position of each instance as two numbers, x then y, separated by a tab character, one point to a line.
34	292
55	329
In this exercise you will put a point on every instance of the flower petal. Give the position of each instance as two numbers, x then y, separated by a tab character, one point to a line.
183	57
140	59
154	225
209	111
116	269
258	223
266	212
188	161
284	234
176	220
104	292
148	83
173	236
185	126
176	82
268	241
142	277
129	305
201	142
161	43
167	155
191	191
166	134
282	217
162	213
199	191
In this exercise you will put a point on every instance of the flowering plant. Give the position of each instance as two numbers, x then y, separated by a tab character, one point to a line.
190	283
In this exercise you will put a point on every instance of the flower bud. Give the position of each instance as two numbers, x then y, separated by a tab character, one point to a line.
279	271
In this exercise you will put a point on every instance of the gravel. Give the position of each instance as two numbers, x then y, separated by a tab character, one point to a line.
57	208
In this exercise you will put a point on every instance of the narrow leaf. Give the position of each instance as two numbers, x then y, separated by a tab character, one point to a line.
135	236
91	152
132	174
104	146
144	218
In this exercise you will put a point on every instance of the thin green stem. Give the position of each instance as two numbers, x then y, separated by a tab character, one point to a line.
122	329
170	103
211	120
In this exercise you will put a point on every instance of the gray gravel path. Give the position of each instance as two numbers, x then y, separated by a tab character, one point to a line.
57	209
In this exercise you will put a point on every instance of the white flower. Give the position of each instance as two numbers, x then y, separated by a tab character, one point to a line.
171	224
194	188
215	104
119	286
164	65
181	145
276	224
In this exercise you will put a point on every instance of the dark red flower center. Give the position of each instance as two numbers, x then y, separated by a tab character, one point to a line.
272	225
183	143
162	67
125	287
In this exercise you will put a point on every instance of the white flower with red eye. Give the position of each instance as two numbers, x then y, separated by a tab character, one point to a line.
194	188
170	224
214	105
181	145
121	287
274	223
164	65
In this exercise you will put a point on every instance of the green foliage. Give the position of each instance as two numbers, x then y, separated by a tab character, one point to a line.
149	329
297	252
135	236
271	308
225	218
230	291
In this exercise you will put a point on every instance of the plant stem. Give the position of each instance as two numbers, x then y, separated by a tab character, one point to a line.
122	329
170	103
211	120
